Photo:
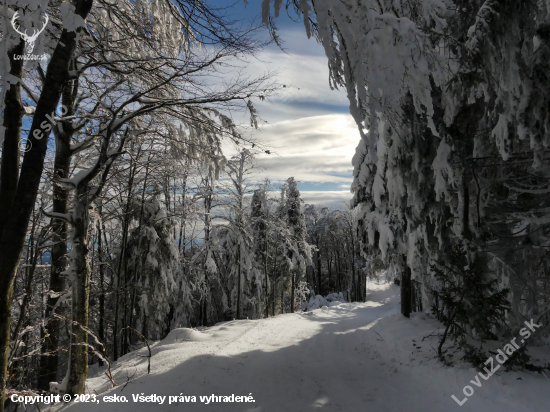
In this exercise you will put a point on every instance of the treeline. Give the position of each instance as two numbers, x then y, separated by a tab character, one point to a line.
337	264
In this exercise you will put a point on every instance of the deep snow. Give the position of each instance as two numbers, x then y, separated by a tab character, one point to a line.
348	357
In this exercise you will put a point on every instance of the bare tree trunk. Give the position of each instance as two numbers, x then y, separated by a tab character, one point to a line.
101	331
238	316
266	276
329	265
319	287
80	271
9	172
282	299
338	269
413	297
406	290
62	162
273	284
354	278
115	323
181	241
123	260
292	286
13	120
138	259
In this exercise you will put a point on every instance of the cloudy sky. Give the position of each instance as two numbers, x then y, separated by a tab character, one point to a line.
309	127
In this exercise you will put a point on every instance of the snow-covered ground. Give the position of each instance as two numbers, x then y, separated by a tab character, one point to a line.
349	357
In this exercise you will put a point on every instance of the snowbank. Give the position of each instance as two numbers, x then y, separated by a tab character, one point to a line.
378	361
317	302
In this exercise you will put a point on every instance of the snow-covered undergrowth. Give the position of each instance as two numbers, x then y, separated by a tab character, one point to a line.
346	357
317	302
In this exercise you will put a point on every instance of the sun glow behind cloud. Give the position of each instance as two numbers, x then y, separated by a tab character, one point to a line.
313	149
309	131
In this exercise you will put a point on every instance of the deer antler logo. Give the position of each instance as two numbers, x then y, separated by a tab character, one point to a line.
29	40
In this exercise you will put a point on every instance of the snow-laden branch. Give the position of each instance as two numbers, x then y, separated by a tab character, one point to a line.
61	216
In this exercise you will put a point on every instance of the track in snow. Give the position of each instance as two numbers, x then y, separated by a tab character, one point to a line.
351	357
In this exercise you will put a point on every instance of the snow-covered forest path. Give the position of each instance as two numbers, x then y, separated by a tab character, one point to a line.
351	357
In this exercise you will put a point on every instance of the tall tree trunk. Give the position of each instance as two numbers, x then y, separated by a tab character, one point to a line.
363	288
137	260
355	289
354	279
80	273
13	120
283	299
406	290
319	287
338	269
273	285
181	240
62	162
9	172
329	265
266	276
115	322
79	270
239	282
101	331
292	286
123	259
413	297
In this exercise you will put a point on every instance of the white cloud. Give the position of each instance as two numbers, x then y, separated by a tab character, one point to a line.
307	92
313	149
304	71
332	199
305	77
310	133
